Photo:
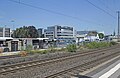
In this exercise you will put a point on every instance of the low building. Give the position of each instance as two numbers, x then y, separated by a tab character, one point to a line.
80	36
86	36
7	43
35	43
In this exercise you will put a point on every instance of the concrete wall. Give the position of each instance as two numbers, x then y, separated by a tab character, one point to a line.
19	45
9	45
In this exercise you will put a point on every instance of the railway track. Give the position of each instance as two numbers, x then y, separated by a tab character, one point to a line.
8	57
19	66
75	71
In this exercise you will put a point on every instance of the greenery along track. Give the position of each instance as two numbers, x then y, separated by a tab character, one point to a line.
18	66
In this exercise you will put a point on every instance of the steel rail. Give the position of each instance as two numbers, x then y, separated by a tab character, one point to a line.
9	68
83	67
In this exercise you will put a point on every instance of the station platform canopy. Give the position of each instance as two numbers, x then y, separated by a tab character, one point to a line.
5	38
42	38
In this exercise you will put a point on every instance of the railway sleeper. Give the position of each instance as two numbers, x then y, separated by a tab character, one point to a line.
63	76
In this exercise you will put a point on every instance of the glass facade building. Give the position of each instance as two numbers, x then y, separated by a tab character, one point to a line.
63	34
40	32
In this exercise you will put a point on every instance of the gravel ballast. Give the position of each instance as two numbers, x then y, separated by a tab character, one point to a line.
41	71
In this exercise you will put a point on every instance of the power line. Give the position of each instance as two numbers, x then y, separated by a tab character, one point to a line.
106	6
54	12
50	11
101	9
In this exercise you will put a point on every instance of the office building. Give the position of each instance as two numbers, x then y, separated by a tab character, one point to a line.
40	30
5	32
64	35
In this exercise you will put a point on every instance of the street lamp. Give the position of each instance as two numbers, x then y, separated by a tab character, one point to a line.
13	27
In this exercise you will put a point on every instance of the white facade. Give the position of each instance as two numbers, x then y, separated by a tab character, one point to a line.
82	36
56	32
64	35
5	32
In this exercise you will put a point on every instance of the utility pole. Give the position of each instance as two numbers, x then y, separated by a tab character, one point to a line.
118	25
13	27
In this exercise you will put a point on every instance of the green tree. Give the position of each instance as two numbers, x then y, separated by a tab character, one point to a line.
32	31
101	35
25	32
92	33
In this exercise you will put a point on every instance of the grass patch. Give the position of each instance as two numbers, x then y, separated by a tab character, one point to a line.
49	50
71	48
39	51
94	45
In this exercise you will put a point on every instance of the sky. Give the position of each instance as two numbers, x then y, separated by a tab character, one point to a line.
99	15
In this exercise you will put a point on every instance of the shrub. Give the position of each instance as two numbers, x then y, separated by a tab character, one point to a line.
44	51
94	45
71	48
113	43
22	48
51	49
28	48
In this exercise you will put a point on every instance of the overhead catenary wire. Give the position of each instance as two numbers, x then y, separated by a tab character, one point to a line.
101	9
106	6
54	12
50	11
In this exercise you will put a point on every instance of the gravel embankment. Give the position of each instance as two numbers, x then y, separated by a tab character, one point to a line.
9	61
32	57
41	71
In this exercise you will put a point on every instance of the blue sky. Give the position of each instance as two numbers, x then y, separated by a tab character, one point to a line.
90	17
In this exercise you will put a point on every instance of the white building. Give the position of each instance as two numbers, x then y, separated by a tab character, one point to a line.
82	36
63	34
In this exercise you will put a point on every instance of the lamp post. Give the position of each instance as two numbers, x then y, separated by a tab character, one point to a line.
13	27
118	25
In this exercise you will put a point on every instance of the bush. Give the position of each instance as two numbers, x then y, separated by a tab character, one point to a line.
44	51
39	51
28	48
94	45
51	49
71	48
113	43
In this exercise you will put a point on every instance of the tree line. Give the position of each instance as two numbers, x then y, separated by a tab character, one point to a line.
25	32
31	32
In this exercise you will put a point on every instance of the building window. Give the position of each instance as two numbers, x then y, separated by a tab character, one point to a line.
7	32
1	29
